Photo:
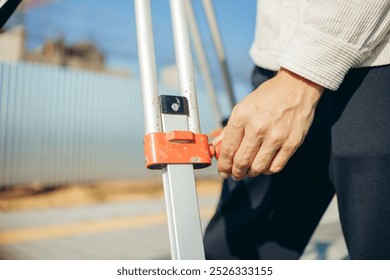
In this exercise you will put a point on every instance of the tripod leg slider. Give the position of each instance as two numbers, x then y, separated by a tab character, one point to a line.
176	147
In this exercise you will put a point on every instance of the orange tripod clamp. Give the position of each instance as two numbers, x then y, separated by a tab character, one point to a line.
176	147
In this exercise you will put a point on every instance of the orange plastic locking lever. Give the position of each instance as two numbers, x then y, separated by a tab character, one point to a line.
177	147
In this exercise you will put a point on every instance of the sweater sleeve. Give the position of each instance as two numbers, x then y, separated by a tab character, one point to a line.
334	36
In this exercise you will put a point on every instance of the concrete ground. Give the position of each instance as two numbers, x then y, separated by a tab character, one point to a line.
131	229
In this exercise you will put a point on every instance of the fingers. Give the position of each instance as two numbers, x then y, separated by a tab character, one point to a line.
271	161
244	157
282	157
243	151
253	153
232	138
262	160
254	158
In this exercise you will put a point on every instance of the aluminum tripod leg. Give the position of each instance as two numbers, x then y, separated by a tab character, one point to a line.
219	49
179	183
147	66
203	63
184	61
182	204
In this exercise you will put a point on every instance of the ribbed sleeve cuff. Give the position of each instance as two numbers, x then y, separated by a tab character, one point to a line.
318	57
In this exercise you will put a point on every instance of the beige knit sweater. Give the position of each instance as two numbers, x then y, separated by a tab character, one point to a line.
322	39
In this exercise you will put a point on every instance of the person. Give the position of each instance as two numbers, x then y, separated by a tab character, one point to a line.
318	124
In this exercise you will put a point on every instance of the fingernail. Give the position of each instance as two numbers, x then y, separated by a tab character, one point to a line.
224	175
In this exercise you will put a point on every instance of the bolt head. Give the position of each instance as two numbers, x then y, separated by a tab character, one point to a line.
175	107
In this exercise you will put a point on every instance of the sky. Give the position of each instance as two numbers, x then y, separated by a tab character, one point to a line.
111	26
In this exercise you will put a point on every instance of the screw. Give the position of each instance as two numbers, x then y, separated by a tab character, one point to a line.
175	107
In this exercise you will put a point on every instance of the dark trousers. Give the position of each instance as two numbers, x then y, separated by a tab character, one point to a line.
347	152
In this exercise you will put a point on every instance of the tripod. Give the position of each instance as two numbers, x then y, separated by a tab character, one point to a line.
173	142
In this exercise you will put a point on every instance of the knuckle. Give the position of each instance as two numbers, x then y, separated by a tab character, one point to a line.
258	168
256	124
235	112
239	113
267	153
241	164
227	152
277	137
257	129
226	168
290	147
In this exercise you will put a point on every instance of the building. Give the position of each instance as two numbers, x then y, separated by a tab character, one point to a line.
12	44
83	55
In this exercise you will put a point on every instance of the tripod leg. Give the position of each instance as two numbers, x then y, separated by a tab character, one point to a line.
219	49
203	62
182	187
167	114
147	65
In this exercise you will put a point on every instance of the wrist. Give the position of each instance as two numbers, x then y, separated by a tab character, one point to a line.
308	88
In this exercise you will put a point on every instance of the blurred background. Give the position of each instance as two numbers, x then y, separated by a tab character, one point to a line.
72	179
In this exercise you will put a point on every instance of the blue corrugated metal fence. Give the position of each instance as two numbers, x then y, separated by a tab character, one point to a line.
60	125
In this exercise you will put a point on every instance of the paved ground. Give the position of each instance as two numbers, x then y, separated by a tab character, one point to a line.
135	230
122	230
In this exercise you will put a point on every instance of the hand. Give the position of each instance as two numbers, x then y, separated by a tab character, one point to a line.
266	128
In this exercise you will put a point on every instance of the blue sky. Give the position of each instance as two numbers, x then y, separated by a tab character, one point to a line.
111	26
